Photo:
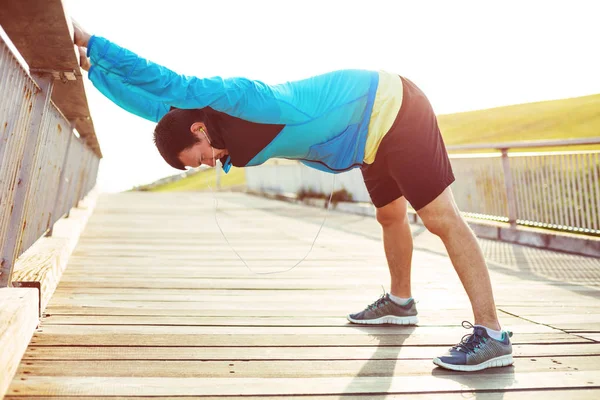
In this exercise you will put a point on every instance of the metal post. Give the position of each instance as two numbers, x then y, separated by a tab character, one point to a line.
61	182
510	190
18	219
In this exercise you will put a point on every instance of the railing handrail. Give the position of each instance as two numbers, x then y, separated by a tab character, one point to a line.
526	144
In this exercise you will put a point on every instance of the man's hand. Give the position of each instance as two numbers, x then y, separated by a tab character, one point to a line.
84	62
80	36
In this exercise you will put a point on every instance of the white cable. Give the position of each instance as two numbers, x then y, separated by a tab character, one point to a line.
295	265
229	244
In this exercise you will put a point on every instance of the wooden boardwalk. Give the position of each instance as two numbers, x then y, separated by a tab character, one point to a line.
154	304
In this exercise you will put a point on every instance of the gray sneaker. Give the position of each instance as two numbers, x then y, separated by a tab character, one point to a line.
477	351
385	311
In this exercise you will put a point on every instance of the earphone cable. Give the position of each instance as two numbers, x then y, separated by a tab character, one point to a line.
295	265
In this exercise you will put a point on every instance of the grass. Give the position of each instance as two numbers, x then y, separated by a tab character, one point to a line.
557	119
201	181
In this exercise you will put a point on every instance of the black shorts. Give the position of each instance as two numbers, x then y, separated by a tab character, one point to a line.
412	160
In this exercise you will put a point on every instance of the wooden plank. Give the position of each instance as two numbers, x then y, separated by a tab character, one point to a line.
226	320
160	386
292	296
373	352
580	394
211	283
343	330
578	319
18	320
282	282
153	339
86	335
424	293
42	33
450	320
591	336
334	308
51	310
284	369
338	308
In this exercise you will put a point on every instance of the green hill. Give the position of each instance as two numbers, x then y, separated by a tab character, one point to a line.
577	117
203	179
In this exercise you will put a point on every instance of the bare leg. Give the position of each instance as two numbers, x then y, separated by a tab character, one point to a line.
398	245
442	218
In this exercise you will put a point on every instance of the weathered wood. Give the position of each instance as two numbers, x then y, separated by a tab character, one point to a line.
42	33
43	264
135	386
251	312
18	320
429	320
284	369
592	336
372	352
580	394
341	331
169	311
82	335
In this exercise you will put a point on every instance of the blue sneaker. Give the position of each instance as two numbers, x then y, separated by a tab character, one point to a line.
477	351
385	311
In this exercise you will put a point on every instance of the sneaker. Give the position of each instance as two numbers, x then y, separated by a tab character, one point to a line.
385	311
477	351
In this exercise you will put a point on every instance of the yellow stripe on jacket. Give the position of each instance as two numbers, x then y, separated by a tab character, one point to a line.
388	100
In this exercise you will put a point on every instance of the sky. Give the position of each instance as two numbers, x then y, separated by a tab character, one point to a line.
465	55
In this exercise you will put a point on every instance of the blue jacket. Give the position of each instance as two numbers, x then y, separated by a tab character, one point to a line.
324	118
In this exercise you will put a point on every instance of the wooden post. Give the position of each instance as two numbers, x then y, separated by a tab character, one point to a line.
61	182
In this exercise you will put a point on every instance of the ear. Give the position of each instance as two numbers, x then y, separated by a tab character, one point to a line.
196	126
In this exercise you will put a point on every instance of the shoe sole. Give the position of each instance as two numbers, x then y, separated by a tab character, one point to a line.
502	361
388	319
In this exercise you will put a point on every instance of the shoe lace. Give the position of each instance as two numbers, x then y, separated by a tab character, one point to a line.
471	341
383	300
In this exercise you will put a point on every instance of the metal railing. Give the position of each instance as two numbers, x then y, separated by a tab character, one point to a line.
45	169
554	190
557	190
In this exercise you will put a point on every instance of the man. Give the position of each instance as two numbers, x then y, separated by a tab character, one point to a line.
376	121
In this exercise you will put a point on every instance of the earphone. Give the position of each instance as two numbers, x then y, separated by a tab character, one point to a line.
213	149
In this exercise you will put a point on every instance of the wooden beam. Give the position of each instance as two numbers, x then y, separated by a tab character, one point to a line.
18	320
42	33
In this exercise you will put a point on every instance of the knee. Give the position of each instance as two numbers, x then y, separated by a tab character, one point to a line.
393	213
443	224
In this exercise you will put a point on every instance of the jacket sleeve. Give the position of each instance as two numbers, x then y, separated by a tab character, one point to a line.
121	94
239	97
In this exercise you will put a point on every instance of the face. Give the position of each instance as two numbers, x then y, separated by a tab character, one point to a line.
201	153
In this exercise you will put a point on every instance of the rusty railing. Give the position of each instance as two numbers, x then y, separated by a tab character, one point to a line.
45	167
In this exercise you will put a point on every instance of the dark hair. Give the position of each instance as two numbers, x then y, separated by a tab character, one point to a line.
172	134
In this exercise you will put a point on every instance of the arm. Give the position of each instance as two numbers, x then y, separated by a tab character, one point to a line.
121	94
136	76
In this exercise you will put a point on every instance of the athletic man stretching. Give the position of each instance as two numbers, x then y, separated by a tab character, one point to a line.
376	121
